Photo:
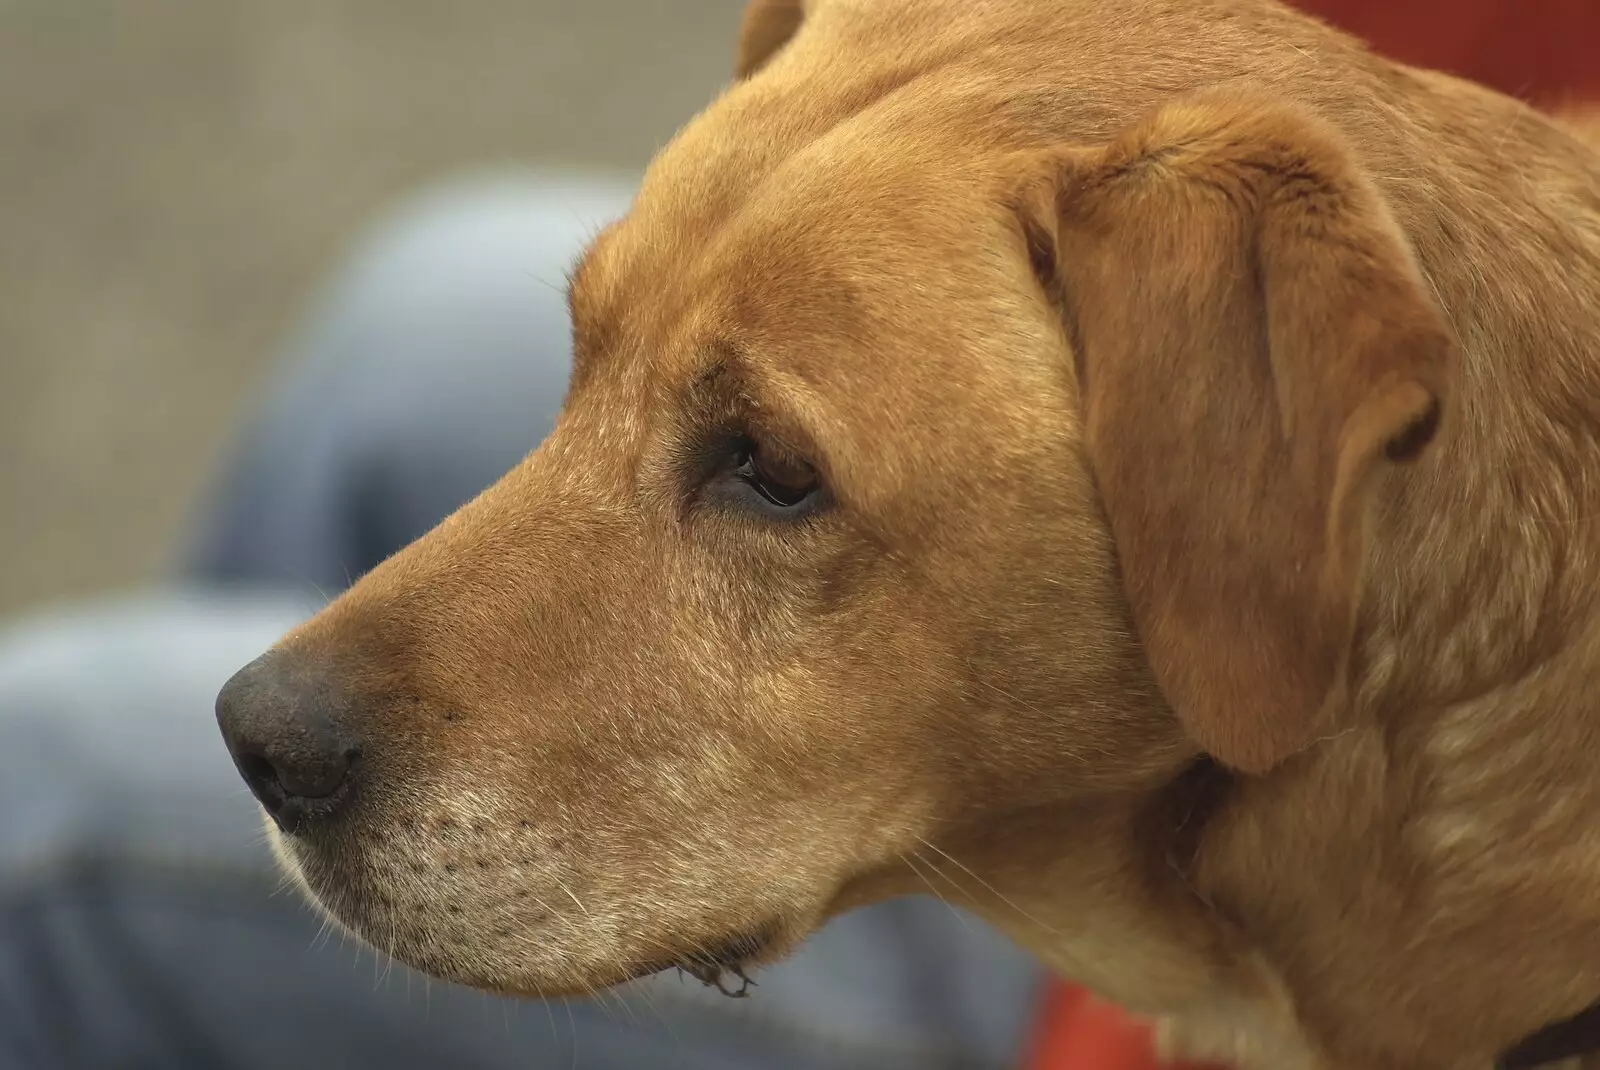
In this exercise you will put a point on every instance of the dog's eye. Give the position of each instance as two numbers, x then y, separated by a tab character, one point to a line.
783	480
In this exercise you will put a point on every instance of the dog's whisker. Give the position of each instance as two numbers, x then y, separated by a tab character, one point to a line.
543	1000
932	889
320	938
389	953
992	889
620	994
572	1023
661	1016
570	895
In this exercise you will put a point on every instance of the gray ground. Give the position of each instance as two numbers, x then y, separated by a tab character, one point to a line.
175	176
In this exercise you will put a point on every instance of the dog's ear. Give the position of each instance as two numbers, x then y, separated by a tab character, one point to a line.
1254	346
766	27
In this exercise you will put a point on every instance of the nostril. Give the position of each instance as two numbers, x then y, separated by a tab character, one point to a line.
313	774
295	789
300	773
263	781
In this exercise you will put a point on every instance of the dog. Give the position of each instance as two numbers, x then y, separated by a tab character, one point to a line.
1141	456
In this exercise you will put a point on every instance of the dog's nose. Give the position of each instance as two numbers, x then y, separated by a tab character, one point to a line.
284	728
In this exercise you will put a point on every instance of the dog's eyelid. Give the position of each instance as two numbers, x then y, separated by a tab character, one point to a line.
777	448
732	395
745	459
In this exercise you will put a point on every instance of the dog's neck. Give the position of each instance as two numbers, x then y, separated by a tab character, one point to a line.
1131	927
1161	931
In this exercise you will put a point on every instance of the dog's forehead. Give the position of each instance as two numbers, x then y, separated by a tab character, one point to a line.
832	274
850	223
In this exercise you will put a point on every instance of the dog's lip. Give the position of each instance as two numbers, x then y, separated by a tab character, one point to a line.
710	964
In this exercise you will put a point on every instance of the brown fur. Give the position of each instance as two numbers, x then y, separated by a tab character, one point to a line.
1184	379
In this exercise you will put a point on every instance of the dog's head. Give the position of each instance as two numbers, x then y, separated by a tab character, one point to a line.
919	467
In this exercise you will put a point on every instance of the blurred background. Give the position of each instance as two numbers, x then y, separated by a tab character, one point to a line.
177	177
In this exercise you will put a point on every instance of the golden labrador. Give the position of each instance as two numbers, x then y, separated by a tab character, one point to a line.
1142	456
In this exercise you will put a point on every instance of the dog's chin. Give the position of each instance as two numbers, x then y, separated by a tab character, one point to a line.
430	941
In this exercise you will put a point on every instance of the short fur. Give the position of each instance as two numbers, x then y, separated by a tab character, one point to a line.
1209	589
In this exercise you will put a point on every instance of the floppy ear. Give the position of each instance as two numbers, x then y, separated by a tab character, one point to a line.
1254	346
766	27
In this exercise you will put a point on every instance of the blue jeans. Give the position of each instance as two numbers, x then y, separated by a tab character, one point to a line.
141	921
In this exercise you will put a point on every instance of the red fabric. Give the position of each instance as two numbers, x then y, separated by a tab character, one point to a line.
1076	1031
1544	51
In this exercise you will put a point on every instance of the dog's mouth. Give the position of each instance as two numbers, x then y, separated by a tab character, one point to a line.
456	923
722	965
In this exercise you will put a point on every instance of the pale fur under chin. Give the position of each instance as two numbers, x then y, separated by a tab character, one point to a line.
1237	1036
